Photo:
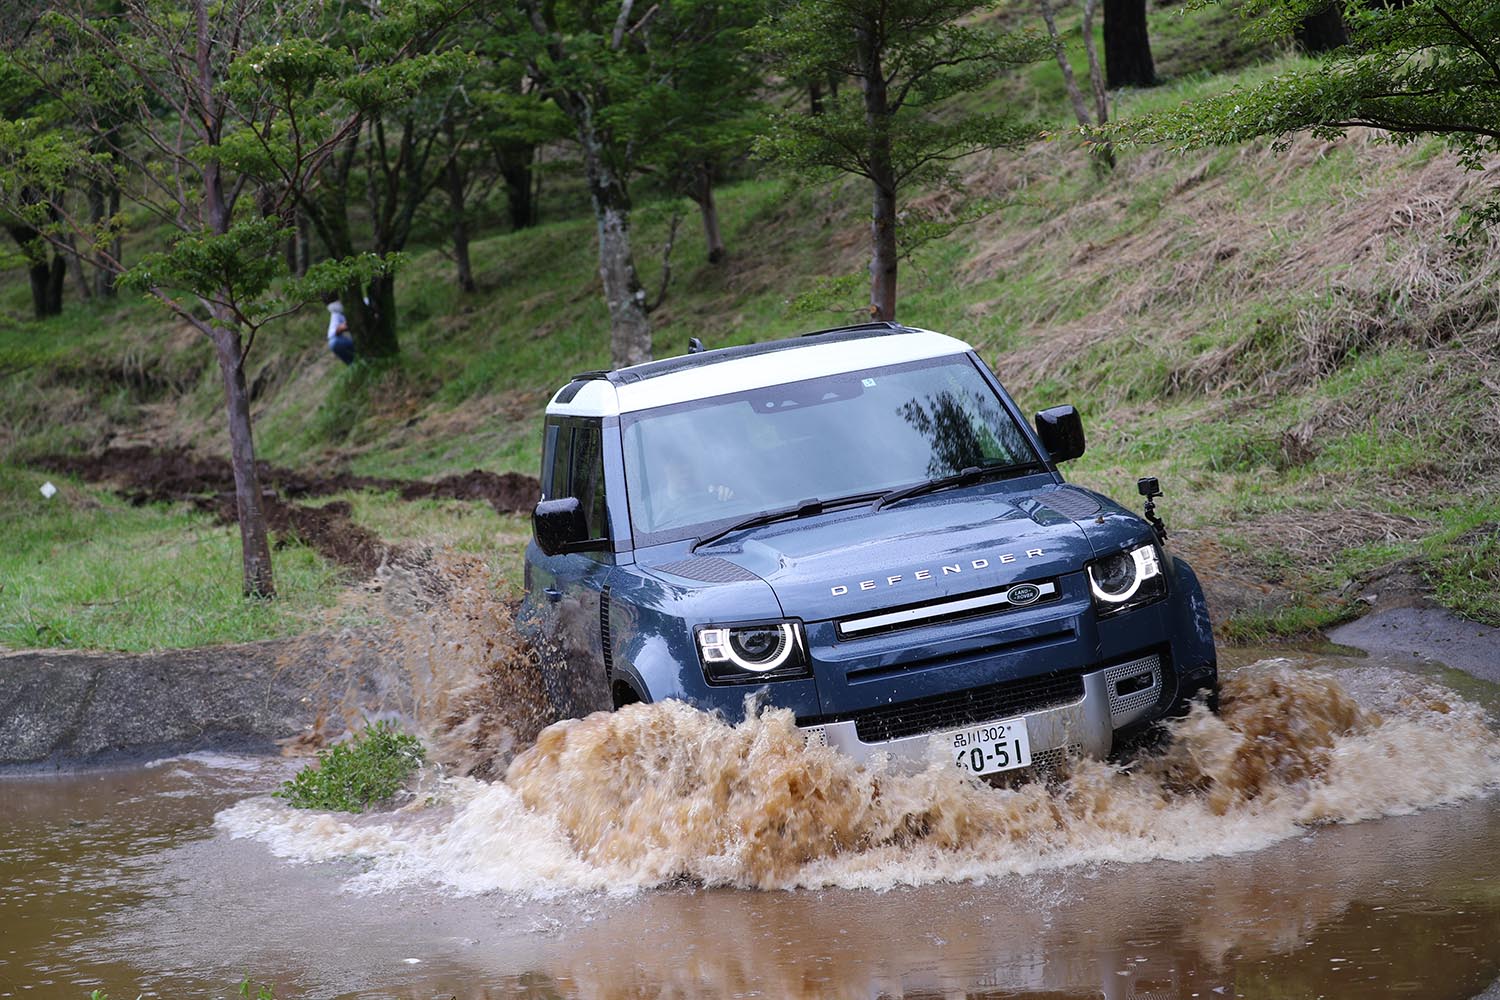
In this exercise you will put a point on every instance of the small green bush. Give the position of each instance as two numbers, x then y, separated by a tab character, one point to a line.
351	776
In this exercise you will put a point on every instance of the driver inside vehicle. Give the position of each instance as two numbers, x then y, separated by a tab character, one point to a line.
683	497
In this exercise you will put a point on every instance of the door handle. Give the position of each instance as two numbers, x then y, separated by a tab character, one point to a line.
553	594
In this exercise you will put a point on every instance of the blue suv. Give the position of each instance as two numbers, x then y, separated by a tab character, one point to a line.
860	526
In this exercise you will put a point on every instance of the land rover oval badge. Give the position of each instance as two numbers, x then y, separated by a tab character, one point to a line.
1023	594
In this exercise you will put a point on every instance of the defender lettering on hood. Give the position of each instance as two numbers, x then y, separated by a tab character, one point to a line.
861	527
950	569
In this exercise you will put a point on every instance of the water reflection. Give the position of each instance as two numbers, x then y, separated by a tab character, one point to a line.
1409	903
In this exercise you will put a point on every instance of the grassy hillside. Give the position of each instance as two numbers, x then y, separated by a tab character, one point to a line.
1285	338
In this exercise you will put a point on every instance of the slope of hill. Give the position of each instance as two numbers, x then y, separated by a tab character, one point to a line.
1285	338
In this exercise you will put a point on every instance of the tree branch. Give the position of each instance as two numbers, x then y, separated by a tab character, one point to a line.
1472	42
666	261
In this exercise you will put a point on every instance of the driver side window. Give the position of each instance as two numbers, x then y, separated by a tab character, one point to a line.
586	480
575	468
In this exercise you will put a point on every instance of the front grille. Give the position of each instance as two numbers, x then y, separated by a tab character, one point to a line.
972	605
963	708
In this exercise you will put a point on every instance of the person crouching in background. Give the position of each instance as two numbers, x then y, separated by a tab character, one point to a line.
339	341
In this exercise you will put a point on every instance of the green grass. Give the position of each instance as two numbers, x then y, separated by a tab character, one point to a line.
87	570
1463	562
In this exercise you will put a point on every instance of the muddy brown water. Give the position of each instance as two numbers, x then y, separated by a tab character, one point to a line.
181	879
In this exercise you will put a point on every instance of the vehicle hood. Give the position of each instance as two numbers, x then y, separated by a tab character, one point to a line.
860	559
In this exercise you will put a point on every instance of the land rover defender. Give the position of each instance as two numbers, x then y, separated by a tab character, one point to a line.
860	525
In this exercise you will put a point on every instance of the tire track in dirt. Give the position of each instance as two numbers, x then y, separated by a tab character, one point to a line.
144	475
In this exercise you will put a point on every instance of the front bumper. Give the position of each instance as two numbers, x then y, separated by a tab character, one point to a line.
1114	697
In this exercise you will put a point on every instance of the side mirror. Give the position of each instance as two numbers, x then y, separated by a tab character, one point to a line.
1061	432
557	524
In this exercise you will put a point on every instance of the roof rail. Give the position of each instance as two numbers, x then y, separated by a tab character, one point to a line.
666	366
883	325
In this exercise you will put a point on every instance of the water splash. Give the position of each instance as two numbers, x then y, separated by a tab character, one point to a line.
655	794
441	657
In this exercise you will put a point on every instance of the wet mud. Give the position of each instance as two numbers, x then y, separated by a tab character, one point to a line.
178	475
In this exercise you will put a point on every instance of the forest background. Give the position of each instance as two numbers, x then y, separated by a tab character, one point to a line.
1251	241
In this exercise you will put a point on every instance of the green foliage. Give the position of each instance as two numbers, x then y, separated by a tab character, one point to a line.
355	774
243	261
922	52
262	990
1413	69
709	112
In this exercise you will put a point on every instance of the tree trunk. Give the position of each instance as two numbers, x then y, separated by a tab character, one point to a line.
57	275
882	176
1323	31
1127	45
703	194
629	326
254	546
303	244
453	178
289	249
372	317
46	290
80	278
1103	152
1060	52
104	275
815	97
883	256
517	167
41	277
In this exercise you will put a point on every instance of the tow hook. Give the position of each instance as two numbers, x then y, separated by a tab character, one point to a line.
1149	488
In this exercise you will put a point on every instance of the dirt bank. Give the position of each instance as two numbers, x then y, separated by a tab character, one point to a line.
145	475
178	475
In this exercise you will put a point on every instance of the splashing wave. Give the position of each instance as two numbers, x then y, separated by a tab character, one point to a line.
654	794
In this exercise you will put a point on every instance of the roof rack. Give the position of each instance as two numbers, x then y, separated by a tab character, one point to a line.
667	366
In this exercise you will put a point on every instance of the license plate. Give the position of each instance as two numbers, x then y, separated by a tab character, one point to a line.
992	747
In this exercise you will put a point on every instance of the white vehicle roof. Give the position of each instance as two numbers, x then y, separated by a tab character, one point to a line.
630	389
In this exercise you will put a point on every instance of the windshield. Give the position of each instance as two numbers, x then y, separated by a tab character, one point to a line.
729	457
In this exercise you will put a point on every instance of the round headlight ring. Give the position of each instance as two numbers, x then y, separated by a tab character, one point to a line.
1141	563
760	648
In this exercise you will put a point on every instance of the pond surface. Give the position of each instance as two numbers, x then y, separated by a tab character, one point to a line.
123	881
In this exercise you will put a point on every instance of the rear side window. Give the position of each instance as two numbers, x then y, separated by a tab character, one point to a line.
556	445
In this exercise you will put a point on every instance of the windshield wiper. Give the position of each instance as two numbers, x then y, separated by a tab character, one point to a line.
973	474
807	508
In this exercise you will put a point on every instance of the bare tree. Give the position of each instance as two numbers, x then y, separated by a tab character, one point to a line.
1104	152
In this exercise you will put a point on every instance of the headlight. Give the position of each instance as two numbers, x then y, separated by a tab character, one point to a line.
748	653
1127	580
